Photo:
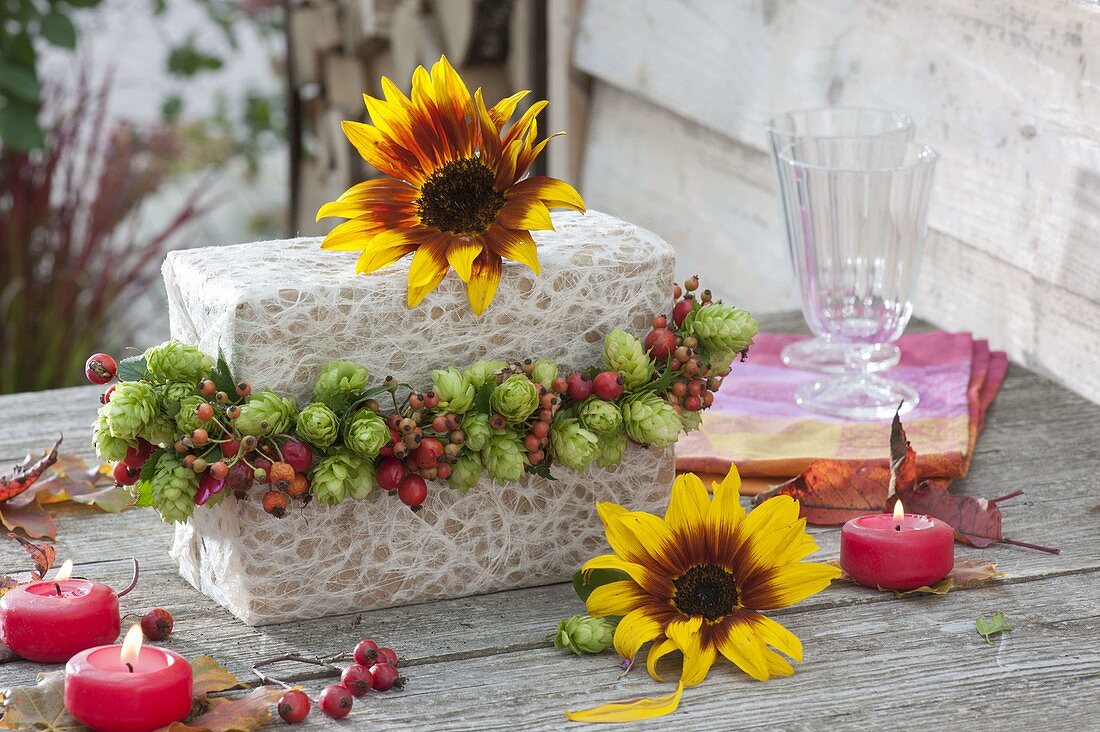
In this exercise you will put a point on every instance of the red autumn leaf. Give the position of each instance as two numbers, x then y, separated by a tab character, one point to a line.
243	714
23	475
830	492
31	518
42	554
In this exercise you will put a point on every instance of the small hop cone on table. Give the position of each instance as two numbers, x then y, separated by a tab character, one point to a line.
177	361
624	353
651	420
583	634
722	329
571	443
174	488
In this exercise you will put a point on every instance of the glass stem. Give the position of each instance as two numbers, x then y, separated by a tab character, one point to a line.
857	359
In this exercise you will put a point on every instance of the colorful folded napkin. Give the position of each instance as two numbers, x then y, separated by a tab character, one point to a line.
756	423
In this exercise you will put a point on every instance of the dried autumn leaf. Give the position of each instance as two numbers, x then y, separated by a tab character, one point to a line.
40	707
31	518
209	676
830	492
72	480
22	476
243	714
43	555
965	574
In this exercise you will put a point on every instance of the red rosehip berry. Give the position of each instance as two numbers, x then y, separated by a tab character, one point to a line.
200	436
243	389
680	311
677	292
660	343
540	429
262	463
233	411
157	624
691	284
336	701
497	421
693	403
531	442
536	457
390	473
660	322
413	491
231	448
431	400
560	385
387	655
608	385
429	453
219	470
439	424
189	461
385	676
204	411
125	475
275	503
366	652
443	471
208	388
356	679
106	397
136	456
294	706
100	368
297	454
579	386
240	478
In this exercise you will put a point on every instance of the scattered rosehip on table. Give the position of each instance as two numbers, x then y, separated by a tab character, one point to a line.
365	653
385	676
157	624
294	706
336	701
357	679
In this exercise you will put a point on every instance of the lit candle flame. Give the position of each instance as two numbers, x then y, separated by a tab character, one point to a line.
65	571
899	511
131	646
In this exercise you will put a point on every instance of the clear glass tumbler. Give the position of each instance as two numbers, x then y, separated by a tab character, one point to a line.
857	219
789	128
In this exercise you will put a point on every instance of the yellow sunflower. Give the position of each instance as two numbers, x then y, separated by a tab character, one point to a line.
698	580
455	196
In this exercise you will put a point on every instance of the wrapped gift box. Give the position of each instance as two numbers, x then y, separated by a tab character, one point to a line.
279	310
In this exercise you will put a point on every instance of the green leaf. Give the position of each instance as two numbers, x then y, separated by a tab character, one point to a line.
58	29
187	60
19	128
133	368
171	108
585	582
19	82
991	626
143	489
481	398
542	470
660	384
223	377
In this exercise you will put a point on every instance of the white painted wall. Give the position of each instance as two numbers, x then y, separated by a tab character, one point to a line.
1007	90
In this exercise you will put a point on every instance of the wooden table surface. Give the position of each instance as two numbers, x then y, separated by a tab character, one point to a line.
870	659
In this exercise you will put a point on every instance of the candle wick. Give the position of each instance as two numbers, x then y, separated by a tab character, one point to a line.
897	527
130	666
57	589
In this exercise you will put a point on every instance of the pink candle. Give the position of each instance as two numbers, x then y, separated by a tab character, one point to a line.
902	551
49	621
128	688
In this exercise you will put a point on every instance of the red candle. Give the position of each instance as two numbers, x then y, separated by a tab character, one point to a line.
902	551
128	688
49	621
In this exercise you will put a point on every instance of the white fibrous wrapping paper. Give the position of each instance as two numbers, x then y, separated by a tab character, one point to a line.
279	310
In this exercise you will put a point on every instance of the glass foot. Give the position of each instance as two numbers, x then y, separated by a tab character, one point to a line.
857	397
814	354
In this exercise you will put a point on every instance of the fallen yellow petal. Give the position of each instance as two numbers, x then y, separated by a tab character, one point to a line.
631	711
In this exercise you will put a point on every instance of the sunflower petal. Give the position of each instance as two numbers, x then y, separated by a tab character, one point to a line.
379	151
698	658
615	598
516	245
503	110
688	505
654	584
777	665
637	627
738	642
776	636
528	214
386	248
484	278
657	651
461	255
724	516
429	264
631	711
783	586
351	236
551	191
639	537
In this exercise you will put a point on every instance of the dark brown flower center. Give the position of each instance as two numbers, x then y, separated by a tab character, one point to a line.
707	590
460	198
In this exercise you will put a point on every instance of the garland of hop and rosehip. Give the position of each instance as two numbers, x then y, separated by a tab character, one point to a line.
182	432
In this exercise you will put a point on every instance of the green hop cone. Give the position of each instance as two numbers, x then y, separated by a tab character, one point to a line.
544	372
477	429
172	394
174	488
365	433
600	416
515	399
455	392
609	452
340	475
466	471
572	444
131	410
504	456
177	361
721	329
108	448
267	406
340	383
624	353
583	634
187	421
318	425
651	420
160	431
482	371
691	420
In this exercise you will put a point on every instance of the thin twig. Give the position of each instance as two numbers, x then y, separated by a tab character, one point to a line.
1036	547
133	582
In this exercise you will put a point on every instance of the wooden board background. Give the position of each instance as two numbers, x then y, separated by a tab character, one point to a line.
1008	91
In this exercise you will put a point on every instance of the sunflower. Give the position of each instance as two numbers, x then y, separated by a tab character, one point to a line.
697	581
454	197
